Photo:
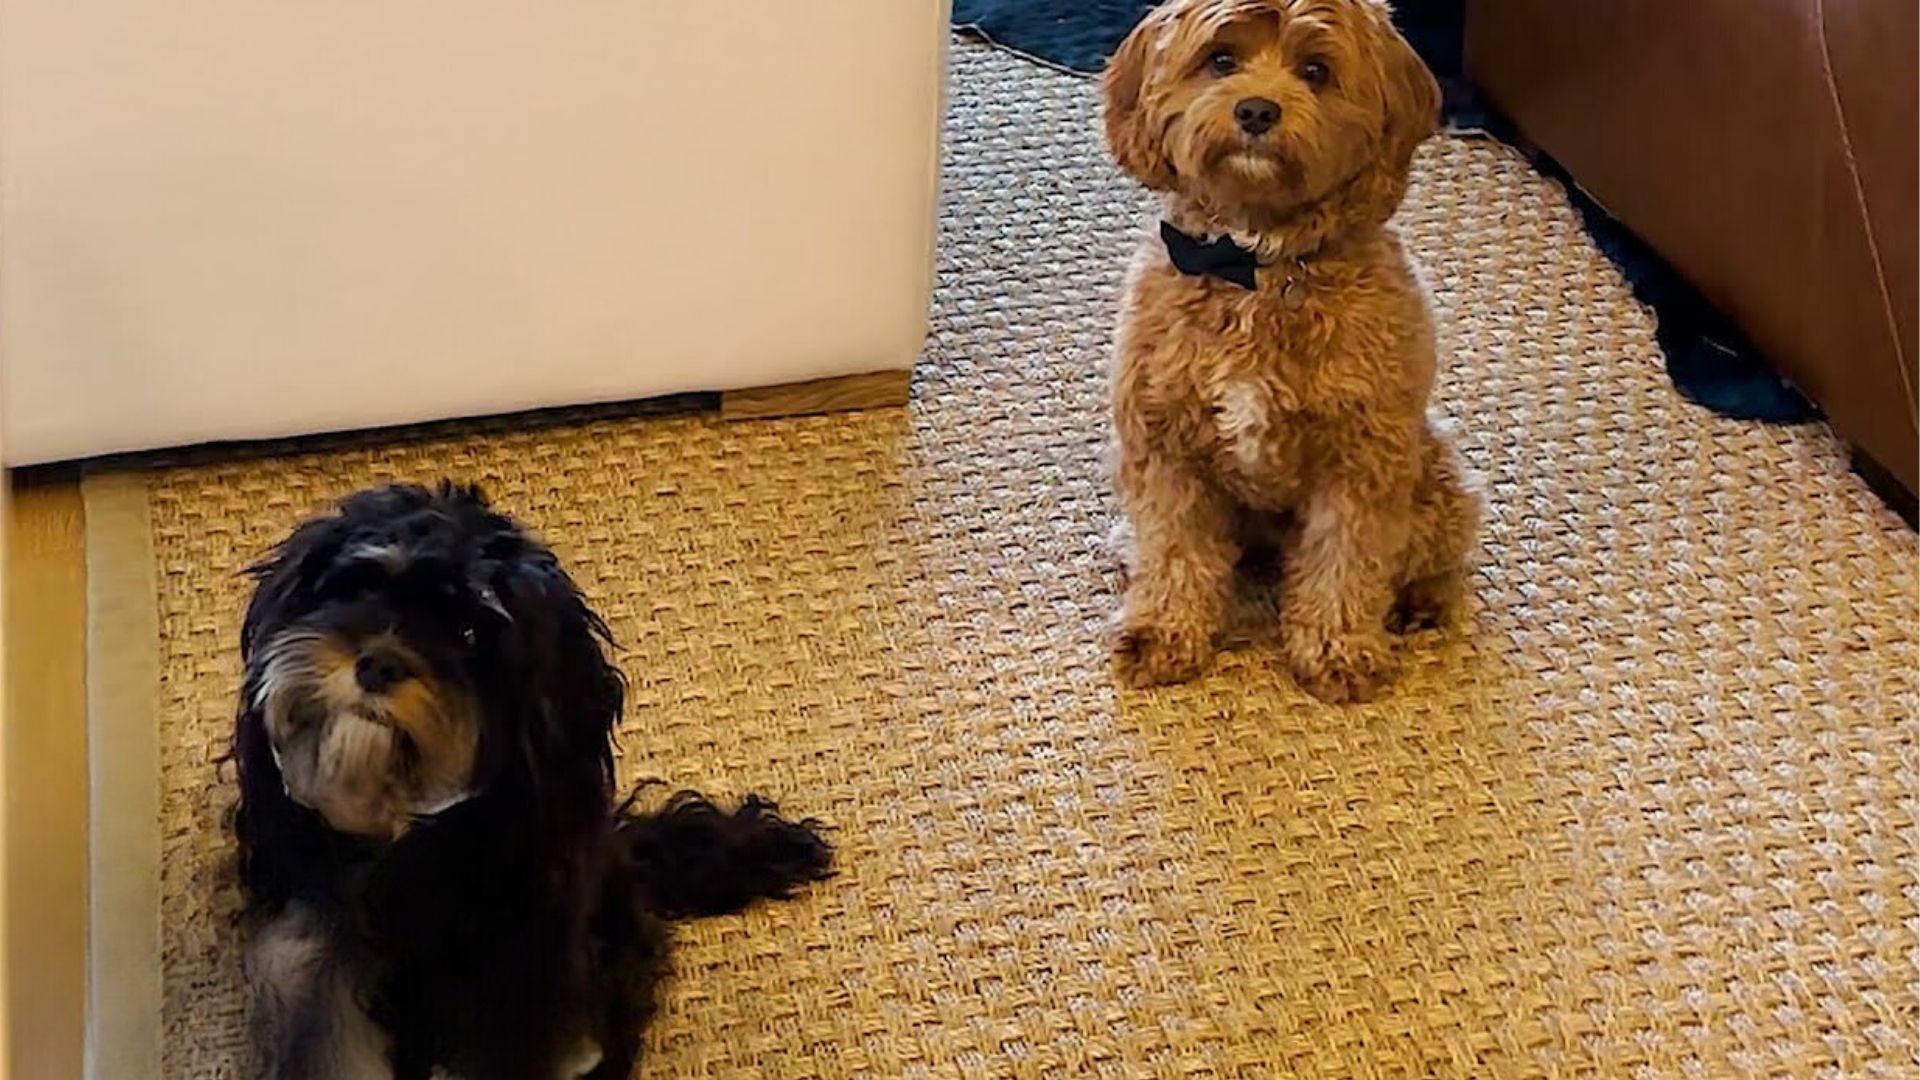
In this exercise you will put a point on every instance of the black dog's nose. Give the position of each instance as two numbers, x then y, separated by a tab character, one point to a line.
1256	115
378	671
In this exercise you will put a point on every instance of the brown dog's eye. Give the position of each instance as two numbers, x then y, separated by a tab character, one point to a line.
1315	74
1222	62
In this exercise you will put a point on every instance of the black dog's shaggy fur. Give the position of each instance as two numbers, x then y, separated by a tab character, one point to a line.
518	932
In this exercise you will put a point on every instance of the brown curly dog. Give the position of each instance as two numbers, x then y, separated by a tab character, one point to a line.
1276	348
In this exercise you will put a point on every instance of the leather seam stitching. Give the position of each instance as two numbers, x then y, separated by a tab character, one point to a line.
1866	214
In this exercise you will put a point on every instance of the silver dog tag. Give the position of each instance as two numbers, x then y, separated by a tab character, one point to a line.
1292	295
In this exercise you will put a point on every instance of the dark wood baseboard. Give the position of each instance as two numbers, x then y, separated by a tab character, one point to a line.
1891	490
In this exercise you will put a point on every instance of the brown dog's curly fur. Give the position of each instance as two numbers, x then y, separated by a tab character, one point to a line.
1296	409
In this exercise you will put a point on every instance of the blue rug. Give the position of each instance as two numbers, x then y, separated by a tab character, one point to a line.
1708	359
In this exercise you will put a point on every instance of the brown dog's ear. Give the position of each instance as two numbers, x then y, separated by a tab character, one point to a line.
1410	98
1130	130
1412	93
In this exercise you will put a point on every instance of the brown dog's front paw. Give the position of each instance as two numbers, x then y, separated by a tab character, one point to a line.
1340	669
1148	655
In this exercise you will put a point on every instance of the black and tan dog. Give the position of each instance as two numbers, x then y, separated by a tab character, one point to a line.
438	879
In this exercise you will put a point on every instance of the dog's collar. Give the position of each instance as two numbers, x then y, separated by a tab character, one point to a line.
1224	258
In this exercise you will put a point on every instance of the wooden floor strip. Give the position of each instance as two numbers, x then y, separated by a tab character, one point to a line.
868	391
46	733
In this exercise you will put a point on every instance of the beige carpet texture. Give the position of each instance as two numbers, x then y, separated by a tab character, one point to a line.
1650	812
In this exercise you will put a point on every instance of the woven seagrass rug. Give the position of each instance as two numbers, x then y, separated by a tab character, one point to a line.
1649	813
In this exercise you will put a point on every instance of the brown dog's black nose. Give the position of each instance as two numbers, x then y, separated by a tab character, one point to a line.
378	671
1256	115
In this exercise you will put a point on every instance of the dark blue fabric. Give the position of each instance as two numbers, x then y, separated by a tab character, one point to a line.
1708	359
1080	34
1075	34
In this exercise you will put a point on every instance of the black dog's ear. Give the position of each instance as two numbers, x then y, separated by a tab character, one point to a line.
285	572
275	838
569	696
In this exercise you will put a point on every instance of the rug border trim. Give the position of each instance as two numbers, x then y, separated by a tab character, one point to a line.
124	976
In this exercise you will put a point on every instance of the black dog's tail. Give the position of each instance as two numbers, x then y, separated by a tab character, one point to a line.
693	859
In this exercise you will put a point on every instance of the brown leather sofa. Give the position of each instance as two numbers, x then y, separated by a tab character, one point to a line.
1767	150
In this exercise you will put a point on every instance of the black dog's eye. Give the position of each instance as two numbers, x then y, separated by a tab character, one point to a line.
1222	62
467	636
1315	73
352	580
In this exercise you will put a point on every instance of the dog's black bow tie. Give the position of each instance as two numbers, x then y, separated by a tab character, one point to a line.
1222	258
